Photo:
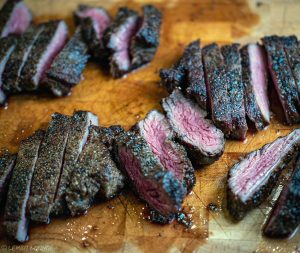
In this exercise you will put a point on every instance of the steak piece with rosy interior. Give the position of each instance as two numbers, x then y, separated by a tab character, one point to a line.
251	180
203	141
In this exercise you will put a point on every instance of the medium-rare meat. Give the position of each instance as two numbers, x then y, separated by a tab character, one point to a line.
146	41
217	88
48	168
66	69
251	180
203	141
16	62
117	39
79	130
255	80
93	21
283	79
7	162
285	216
15	17
155	185
15	218
95	172
158	133
45	48
233	68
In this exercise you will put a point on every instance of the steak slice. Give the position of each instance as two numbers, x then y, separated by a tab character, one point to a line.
12	71
15	218
285	216
117	39
7	163
283	78
158	133
203	141
155	185
93	21
217	88
255	80
94	171
66	69
48	168
45	48
79	130
146	41
251	180
14	17
233	68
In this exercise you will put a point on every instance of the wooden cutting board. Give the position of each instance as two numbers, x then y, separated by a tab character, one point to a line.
121	225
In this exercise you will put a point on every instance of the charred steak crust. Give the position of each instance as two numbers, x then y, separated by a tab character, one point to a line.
48	168
146	41
158	187
285	215
236	206
66	69
233	67
15	218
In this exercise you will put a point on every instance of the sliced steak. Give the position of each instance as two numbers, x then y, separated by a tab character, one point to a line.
94	171
285	216
15	218
233	68
15	17
12	71
283	78
158	133
79	130
66	69
107	135
93	21
251	180
48	168
117	39
45	48
203	141
217	88
7	163
158	187
255	80
146	41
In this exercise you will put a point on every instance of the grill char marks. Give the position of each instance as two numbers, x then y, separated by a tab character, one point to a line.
283	79
145	42
157	131
45	48
66	69
117	39
285	216
251	180
14	18
95	171
15	219
203	141
217	88
48	168
79	130
158	187
233	67
255	80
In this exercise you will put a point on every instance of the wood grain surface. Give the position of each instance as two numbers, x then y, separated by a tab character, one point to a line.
121	225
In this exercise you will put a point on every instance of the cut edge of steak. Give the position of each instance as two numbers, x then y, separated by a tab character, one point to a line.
255	80
204	142
251	180
16	221
15	17
158	187
284	218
